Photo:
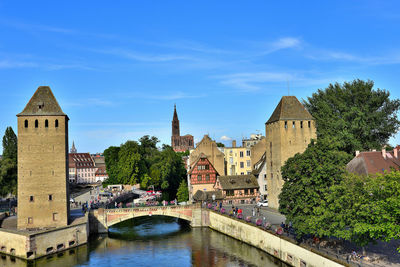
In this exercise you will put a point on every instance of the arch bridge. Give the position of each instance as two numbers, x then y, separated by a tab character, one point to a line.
100	220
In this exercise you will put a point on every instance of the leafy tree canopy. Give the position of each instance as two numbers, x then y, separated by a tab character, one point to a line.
363	209
355	115
10	144
8	165
308	177
143	163
183	192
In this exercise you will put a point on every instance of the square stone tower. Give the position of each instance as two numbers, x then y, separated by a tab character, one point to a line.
288	131
43	197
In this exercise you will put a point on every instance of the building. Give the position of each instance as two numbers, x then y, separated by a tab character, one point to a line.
373	162
288	131
101	174
82	169
99	160
257	151
202	175
214	154
253	140
238	189
43	197
180	143
260	172
238	160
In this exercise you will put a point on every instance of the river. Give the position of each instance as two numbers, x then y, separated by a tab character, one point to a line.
156	241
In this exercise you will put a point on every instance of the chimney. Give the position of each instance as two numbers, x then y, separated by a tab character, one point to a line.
233	143
395	151
384	152
357	153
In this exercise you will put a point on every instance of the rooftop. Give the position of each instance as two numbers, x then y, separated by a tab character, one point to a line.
289	108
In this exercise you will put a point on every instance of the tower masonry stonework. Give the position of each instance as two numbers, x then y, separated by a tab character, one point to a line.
180	143
288	131
43	197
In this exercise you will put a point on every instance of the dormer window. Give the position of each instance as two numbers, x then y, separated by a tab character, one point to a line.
36	123
40	105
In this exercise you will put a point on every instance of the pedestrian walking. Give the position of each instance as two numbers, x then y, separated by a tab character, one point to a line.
254	212
258	211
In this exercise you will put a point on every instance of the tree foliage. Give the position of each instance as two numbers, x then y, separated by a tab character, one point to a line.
183	192
8	165
354	114
143	163
308	177
363	209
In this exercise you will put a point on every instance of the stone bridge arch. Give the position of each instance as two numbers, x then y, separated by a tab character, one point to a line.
102	219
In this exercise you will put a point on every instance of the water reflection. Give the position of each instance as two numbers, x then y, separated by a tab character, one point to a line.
156	241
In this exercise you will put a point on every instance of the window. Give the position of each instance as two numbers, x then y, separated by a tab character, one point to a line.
271	164
265	187
46	123
207	177
309	124
285	124
26	123
231	160
36	123
30	220
207	167
272	175
31	199
55	216
301	124
251	191
265	176
248	163
294	125
248	153
241	164
229	192
50	197
56	123
198	177
241	154
242	173
248	173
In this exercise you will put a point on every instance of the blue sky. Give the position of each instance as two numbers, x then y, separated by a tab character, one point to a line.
117	68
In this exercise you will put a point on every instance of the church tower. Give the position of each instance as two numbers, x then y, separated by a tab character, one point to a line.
43	197
73	149
288	131
175	124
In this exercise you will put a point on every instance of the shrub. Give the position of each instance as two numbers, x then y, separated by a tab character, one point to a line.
267	225
240	216
258	222
223	210
248	219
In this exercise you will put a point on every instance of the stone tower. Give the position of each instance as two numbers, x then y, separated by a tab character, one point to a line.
175	124
43	197
288	131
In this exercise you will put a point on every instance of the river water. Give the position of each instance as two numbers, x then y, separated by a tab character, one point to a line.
156	241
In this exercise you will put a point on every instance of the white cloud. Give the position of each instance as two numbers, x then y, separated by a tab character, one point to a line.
248	81
225	138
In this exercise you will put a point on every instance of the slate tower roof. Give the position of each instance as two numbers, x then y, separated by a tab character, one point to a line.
42	103
289	108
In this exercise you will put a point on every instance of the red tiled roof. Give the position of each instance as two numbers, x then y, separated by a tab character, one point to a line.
372	162
80	160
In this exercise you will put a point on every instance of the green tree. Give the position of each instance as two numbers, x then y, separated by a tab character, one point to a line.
111	159
219	144
308	177
183	192
131	165
8	165
355	115
364	209
10	144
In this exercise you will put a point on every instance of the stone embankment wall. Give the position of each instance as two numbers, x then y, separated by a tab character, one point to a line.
283	249
32	245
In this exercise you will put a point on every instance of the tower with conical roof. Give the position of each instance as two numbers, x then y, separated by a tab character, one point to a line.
288	131
43	197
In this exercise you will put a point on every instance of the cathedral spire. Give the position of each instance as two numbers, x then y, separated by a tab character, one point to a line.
175	123
73	149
